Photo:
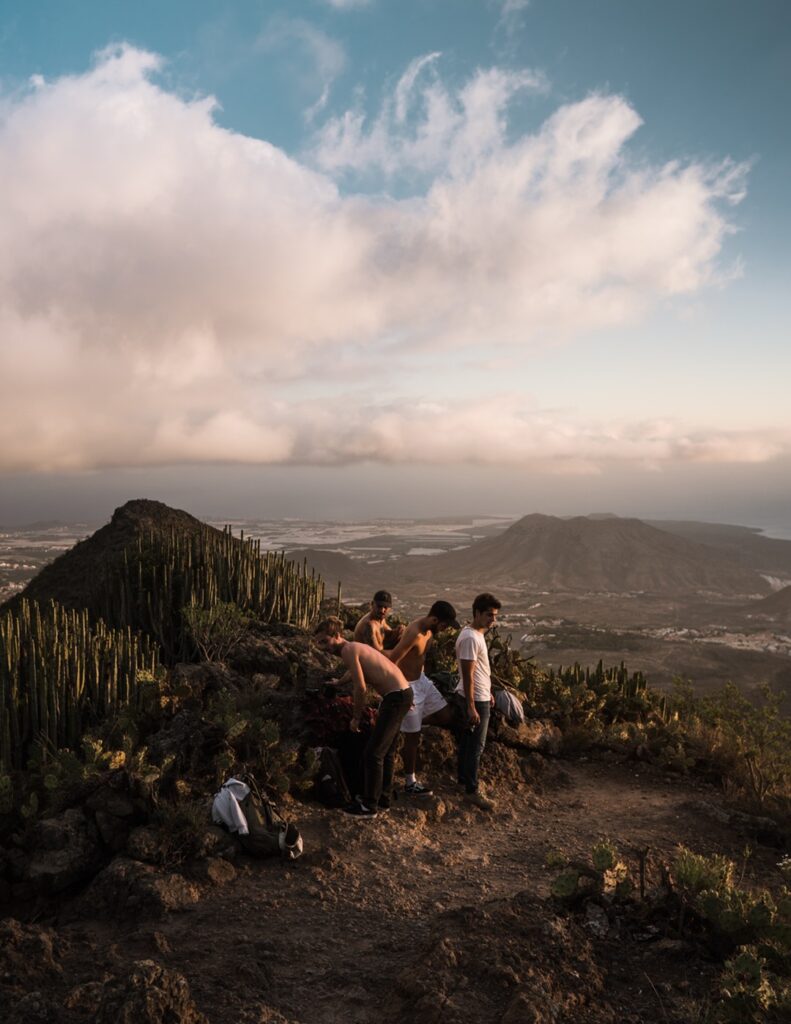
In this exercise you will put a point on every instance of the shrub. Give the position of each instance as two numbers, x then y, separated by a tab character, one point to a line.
752	741
217	630
693	873
251	742
606	875
182	830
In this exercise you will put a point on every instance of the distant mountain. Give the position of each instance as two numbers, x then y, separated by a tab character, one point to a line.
777	606
356	577
38	524
77	578
743	545
591	555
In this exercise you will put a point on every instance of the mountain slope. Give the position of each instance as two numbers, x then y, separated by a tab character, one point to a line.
581	554
357	578
79	575
777	606
744	545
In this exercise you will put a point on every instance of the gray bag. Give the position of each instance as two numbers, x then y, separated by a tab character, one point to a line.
270	834
509	706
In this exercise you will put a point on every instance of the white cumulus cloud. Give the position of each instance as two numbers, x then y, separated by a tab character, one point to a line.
169	288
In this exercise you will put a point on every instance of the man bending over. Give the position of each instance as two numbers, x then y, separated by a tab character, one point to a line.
369	668
430	707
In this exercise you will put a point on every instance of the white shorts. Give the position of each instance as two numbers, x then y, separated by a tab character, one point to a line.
428	699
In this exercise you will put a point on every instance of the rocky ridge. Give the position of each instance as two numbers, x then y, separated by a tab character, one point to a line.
124	903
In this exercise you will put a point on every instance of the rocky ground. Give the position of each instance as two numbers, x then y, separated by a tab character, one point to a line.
435	911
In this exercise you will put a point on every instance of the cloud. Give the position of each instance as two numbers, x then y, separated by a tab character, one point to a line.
511	12
426	128
502	429
170	289
322	57
347	5
510	20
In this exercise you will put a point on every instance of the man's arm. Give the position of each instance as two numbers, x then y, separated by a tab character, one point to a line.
366	634
352	663
404	645
468	679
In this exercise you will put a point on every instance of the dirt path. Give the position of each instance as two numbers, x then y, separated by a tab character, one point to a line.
331	938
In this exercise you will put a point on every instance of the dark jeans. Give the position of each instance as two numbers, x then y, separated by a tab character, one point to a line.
471	743
380	749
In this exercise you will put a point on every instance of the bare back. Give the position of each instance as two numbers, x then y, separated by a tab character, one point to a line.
379	673
410	652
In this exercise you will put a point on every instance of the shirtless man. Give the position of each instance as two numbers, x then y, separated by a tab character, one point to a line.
430	707
370	668
372	627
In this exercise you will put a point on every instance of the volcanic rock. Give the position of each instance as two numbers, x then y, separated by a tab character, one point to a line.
150	994
63	850
533	734
127	886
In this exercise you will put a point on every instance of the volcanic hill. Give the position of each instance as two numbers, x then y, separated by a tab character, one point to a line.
609	555
79	576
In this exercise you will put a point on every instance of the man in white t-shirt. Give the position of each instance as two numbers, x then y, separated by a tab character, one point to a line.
475	685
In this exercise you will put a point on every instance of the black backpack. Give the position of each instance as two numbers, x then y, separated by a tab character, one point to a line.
331	787
269	835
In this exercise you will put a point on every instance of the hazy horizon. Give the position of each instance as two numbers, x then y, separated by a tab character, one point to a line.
226	493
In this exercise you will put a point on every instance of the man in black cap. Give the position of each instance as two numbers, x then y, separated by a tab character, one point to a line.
430	707
372	628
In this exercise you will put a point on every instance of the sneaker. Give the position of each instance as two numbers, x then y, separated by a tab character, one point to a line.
417	789
481	801
384	803
359	810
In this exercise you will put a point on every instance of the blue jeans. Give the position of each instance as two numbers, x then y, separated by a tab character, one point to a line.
470	747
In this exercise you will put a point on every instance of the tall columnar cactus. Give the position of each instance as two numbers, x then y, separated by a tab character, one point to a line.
166	572
59	673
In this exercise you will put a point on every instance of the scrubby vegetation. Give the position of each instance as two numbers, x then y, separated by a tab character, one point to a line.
742	743
698	901
217	630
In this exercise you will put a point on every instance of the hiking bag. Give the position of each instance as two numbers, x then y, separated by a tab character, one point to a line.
332	790
509	706
269	833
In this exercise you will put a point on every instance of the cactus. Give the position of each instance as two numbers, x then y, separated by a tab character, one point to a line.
604	856
59	673
564	887
606	875
165	572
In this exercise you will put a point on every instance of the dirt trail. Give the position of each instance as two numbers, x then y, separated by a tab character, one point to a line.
341	935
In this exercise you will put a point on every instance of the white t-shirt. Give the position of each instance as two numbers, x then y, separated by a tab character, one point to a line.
471	646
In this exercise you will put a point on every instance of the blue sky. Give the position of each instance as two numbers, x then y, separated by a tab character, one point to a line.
538	250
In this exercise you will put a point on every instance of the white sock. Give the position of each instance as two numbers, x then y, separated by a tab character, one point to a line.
411	779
